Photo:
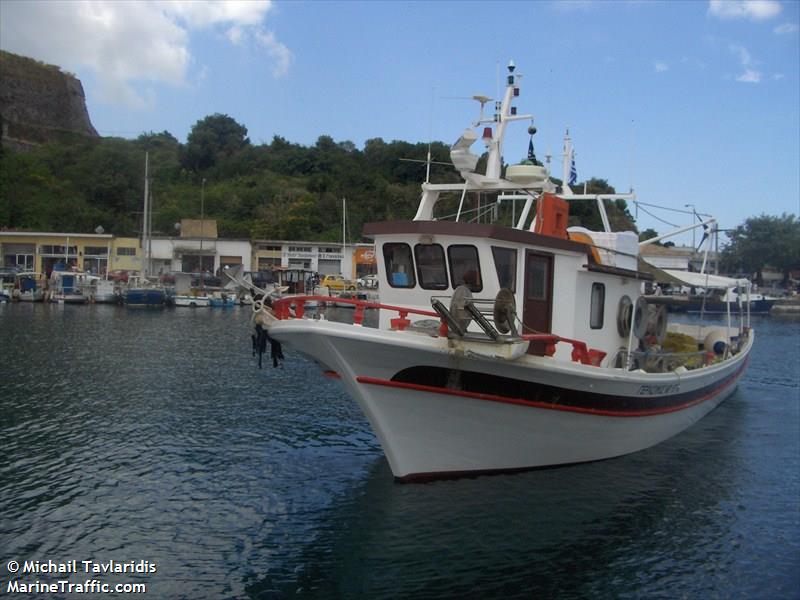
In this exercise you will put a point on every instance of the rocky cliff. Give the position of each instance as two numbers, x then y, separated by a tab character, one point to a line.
39	103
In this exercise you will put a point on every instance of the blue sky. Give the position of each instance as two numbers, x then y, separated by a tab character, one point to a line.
689	102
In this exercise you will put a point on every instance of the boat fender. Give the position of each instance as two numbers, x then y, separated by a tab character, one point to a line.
624	314
716	341
640	319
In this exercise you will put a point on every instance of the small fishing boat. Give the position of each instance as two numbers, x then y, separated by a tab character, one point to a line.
500	348
721	296
104	291
222	300
140	292
30	286
68	287
186	295
192	300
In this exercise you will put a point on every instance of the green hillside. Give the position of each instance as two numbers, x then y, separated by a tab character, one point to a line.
278	190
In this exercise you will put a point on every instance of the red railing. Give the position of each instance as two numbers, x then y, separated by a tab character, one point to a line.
283	309
580	351
294	307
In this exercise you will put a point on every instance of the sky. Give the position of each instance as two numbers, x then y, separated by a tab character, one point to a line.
692	102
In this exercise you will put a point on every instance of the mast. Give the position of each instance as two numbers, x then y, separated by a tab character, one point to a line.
504	113
150	234
145	217
202	218
567	166
344	223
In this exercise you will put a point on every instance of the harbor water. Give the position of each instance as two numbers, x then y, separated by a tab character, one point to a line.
153	436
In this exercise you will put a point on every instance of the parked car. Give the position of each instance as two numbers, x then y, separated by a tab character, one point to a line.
368	281
119	275
337	282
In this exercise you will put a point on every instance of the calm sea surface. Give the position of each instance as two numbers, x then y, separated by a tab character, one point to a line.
153	436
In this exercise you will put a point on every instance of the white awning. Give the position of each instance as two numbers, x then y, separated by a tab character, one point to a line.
705	280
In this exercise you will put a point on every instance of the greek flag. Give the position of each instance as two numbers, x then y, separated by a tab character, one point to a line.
573	173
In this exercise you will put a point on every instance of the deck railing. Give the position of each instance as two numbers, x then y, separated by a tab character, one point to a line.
294	307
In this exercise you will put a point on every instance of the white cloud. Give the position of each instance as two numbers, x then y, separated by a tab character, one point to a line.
750	74
777	76
754	10
786	28
279	52
124	45
660	66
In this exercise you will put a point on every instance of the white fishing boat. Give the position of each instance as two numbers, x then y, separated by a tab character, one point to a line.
192	300
499	348
186	295
29	286
68	287
103	291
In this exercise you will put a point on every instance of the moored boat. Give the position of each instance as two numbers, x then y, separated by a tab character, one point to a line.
501	348
104	291
142	293
29	286
68	287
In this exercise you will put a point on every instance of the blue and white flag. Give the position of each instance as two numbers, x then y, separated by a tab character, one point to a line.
573	173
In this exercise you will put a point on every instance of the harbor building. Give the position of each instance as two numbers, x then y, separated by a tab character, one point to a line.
197	246
97	253
325	258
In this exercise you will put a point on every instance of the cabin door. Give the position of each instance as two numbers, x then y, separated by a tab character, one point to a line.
537	306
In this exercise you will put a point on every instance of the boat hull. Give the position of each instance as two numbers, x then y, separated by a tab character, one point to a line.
695	305
536	411
145	297
192	301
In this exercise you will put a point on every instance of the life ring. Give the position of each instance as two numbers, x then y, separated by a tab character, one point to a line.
640	319
624	314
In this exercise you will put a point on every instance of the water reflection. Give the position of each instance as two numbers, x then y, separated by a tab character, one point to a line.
544	533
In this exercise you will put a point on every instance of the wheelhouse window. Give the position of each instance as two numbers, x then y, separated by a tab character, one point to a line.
537	277
598	306
431	268
465	269
399	265
505	261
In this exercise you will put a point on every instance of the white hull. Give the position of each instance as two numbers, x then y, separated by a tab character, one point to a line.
69	298
192	301
31	296
105	298
429	431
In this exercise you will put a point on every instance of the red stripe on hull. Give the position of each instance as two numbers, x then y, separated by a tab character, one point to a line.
731	380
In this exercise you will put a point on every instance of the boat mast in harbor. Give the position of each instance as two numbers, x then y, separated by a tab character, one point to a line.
146	219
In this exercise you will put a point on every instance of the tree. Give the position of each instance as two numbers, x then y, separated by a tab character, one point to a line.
216	137
647	234
764	241
586	213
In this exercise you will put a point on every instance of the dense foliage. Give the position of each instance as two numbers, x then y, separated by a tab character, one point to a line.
762	241
278	190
